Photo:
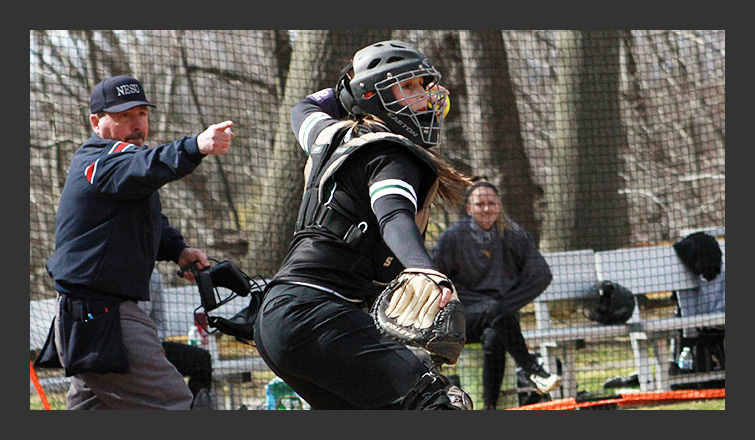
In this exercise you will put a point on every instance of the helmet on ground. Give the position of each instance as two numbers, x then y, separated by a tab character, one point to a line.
609	303
365	86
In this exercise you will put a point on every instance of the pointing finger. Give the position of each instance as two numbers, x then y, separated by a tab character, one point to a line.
224	126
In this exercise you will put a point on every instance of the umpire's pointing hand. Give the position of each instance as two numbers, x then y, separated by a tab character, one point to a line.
216	139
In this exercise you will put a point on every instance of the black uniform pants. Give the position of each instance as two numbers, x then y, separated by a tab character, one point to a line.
498	334
192	362
330	352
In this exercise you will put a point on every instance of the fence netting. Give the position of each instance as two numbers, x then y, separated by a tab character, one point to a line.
607	146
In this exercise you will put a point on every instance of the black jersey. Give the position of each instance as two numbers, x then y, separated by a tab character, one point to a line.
380	185
485	265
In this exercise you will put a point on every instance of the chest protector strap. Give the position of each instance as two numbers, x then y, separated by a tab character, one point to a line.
326	157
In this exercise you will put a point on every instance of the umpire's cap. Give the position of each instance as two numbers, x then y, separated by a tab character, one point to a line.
117	94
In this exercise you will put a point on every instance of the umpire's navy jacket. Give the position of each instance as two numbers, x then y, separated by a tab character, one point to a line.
110	229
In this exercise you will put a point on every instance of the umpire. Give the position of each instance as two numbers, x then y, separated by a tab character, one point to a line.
109	232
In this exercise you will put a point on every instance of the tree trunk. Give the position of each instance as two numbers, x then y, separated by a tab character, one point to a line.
495	142
601	209
585	207
561	192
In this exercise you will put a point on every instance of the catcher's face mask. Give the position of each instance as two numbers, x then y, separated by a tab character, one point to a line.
395	81
228	276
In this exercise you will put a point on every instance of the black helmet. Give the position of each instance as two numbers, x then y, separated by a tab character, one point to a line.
365	87
609	303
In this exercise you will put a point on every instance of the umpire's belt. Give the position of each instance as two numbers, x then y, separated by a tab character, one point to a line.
340	225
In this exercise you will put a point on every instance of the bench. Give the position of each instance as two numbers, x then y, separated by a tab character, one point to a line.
656	269
180	304
573	275
643	270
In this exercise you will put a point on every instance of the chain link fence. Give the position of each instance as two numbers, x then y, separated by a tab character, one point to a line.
599	140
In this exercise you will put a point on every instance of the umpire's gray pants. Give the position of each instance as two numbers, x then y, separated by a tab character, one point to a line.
151	383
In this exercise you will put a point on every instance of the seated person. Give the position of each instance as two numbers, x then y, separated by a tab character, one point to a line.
192	362
496	269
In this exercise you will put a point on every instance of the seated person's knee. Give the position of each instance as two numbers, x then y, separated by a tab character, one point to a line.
489	341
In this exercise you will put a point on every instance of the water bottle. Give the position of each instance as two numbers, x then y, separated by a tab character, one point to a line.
206	340
685	361
280	396
194	339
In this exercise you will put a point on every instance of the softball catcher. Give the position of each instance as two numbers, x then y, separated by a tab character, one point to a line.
370	181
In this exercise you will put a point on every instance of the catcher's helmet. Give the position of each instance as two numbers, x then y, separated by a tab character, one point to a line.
610	303
365	87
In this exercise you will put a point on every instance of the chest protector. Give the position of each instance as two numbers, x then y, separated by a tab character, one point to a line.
327	156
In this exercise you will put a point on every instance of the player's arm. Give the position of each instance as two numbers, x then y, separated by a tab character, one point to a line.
399	230
313	114
394	186
534	273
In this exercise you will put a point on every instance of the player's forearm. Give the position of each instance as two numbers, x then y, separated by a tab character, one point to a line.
403	238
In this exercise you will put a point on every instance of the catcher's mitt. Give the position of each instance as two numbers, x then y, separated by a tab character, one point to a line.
407	310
